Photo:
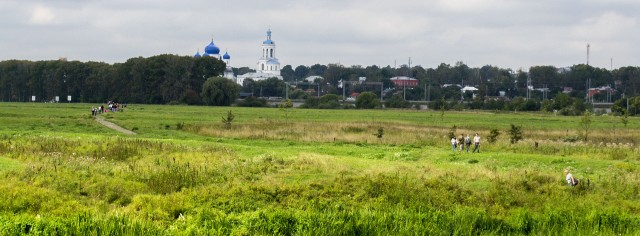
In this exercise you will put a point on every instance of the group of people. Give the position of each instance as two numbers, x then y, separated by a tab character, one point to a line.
111	106
465	143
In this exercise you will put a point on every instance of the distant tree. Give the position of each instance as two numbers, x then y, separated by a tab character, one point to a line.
311	102
271	87
219	91
329	101
287	73
542	76
252	101
298	94
367	100
301	72
191	97
317	69
397	101
517	104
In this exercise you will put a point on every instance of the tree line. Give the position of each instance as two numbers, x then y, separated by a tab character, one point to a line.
171	79
490	80
159	79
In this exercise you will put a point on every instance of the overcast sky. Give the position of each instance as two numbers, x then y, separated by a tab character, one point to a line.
505	33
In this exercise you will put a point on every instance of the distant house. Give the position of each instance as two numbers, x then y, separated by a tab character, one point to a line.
468	89
567	90
312	79
404	81
603	89
449	85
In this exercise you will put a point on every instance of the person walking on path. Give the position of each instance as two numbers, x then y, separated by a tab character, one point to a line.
461	142
476	143
454	144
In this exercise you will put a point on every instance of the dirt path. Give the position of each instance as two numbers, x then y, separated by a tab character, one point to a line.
113	126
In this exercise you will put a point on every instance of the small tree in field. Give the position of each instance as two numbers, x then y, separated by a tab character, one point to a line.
516	134
625	119
367	100
493	135
227	121
379	133
286	106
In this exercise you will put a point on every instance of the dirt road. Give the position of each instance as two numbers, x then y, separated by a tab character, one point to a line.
113	126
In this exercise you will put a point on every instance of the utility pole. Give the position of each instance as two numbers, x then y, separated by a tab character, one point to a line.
381	91
404	90
286	90
528	87
425	92
589	75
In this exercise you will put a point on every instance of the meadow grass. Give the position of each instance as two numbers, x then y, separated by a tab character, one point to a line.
314	172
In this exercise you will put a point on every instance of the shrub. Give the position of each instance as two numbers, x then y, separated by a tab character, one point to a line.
367	100
493	135
253	102
397	101
515	134
227	121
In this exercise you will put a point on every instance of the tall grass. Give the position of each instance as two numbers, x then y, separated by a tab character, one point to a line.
318	177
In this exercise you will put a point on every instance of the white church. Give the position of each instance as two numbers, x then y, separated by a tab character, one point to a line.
268	65
212	50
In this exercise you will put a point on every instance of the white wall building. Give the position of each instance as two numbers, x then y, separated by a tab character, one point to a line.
268	65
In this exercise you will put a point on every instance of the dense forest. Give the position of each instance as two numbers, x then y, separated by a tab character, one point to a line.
158	80
171	79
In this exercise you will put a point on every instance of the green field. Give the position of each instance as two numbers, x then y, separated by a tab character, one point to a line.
311	172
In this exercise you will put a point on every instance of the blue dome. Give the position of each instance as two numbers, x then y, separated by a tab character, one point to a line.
197	55
268	41
205	54
212	49
226	56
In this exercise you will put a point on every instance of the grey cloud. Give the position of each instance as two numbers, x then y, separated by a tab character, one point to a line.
511	34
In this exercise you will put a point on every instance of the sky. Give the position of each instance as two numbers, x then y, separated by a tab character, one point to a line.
514	34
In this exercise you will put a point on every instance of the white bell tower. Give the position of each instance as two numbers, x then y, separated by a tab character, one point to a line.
268	63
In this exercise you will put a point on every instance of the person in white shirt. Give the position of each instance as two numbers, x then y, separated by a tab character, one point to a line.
476	143
570	179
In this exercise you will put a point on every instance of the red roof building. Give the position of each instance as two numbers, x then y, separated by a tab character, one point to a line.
403	81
